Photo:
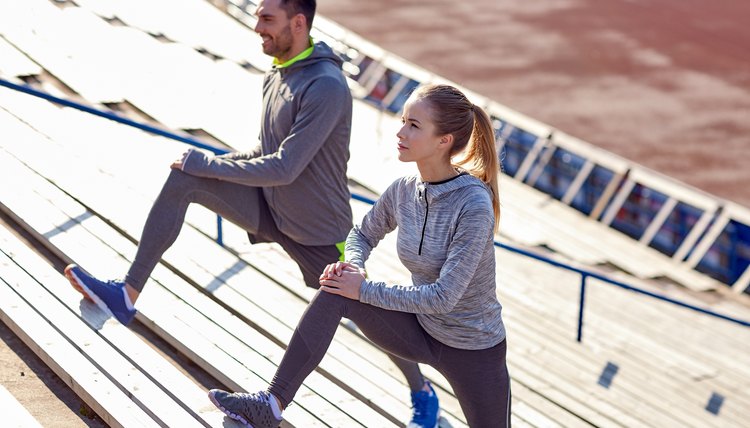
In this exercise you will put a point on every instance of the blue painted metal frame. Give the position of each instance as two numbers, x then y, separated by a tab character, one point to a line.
585	274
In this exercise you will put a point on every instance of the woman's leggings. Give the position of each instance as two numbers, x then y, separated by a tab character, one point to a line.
479	378
244	206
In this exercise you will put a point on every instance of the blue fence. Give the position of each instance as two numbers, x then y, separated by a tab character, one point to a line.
738	229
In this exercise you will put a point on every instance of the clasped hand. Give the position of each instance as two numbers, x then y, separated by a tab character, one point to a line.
342	278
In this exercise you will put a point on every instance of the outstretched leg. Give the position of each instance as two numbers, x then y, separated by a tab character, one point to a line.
239	204
236	203
398	333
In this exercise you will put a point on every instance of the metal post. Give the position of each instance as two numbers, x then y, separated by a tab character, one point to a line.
580	307
219	232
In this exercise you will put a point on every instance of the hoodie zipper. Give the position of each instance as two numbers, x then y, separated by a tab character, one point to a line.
424	225
427	205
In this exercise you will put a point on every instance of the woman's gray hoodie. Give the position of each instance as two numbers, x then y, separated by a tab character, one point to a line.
445	239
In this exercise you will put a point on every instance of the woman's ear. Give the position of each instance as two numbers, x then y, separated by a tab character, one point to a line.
446	140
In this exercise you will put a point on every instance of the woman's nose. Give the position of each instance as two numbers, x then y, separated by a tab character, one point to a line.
400	133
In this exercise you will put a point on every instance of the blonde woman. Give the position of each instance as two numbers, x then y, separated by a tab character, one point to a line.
448	316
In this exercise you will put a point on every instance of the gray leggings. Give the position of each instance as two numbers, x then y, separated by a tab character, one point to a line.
234	202
244	206
479	378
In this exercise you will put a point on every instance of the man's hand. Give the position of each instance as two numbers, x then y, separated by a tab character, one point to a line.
180	163
342	278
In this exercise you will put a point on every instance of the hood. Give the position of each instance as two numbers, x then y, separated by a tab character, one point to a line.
322	52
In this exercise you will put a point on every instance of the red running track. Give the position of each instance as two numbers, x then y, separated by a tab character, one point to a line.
663	83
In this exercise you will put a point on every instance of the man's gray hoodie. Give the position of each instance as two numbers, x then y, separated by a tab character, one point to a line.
445	239
304	147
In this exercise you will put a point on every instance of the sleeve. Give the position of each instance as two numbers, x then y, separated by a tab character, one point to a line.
464	253
379	221
315	121
245	155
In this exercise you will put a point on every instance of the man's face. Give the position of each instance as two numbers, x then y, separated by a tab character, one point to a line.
274	27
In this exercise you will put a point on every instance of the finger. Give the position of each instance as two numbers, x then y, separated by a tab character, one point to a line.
345	266
331	290
337	268
330	270
329	282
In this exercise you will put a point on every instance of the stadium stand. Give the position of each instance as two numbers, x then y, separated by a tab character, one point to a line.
643	362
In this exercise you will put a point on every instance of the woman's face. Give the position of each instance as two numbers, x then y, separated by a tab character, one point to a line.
417	139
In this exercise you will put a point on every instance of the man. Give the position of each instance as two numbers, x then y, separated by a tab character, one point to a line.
290	189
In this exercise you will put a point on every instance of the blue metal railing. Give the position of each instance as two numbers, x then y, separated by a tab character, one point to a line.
584	273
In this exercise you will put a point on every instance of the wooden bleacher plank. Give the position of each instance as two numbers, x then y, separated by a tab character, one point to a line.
135	384
99	393
172	381
14	414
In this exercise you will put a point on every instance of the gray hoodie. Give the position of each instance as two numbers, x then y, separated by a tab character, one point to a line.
304	148
445	239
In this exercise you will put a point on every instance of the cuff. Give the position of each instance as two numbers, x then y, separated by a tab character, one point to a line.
195	161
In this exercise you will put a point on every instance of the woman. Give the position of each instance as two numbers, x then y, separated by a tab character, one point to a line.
449	317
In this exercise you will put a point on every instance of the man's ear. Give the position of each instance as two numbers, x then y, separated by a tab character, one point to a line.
299	23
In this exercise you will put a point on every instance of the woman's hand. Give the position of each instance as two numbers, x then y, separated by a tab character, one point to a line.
342	278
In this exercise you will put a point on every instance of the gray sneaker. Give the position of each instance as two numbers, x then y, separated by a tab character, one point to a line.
253	410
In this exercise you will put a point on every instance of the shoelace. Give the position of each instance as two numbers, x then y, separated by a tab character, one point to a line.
259	397
419	404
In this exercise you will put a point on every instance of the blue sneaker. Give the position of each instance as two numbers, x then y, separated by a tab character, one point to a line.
107	295
426	409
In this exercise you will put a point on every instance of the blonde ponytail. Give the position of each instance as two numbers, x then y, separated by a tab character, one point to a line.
480	157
